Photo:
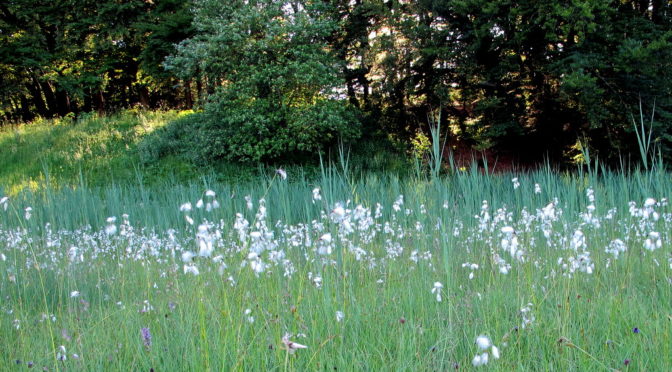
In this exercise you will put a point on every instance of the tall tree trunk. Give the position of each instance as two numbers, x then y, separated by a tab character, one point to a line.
88	101
63	102
26	115
144	96
188	101
100	103
36	95
199	88
50	96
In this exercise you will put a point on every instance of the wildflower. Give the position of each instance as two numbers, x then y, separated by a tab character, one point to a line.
187	256
281	172
483	342
250	318
339	316
74	294
437	290
495	352
480	360
338	212
210	193
515	182
146	337
626	362
192	269
28	212
199	204
326	238
635	330
316	194
4	202
537	188
653	242
186	207
291	346
61	355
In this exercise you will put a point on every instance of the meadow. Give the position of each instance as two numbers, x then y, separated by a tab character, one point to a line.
534	271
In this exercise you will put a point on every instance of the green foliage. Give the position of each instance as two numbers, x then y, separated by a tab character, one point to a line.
276	93
60	152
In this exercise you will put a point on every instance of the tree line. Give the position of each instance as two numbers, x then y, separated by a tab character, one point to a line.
276	77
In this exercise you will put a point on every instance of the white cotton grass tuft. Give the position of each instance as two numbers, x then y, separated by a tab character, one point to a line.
516	183
4	202
483	342
191	269
495	352
186	207
316	194
291	346
437	290
187	256
339	316
28	212
210	193
282	173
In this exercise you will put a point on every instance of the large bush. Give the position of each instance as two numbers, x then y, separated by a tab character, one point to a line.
274	80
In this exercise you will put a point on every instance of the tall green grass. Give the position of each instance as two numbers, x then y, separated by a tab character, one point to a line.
392	320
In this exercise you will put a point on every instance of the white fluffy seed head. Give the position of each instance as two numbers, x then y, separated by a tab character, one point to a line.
483	342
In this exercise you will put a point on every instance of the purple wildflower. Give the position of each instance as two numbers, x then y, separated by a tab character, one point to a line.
626	362
635	330
146	337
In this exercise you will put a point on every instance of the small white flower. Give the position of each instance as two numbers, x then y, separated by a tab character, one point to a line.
199	204
111	229
210	193
281	172
476	362
191	269
495	352
483	342
186	207
316	194
291	346
74	294
338	212
326	238
516	184
250	318
28	212
189	219
339	316
437	290
187	256
537	188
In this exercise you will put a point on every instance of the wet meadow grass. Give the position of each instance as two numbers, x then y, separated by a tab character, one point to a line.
558	271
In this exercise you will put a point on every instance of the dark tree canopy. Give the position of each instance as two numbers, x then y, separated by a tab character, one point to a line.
273	77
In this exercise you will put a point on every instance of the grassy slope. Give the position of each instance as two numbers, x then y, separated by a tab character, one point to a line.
100	149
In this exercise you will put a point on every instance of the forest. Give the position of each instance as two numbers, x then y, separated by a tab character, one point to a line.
275	80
